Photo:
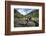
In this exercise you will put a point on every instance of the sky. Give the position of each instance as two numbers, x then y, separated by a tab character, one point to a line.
24	11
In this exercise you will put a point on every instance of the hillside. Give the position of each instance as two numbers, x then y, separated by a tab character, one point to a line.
34	14
20	19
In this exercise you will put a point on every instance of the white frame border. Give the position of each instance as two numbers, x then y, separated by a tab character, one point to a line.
25	28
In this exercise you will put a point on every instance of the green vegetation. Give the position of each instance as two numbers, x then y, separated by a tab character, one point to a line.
19	17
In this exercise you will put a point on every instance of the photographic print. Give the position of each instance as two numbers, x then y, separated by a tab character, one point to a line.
24	18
